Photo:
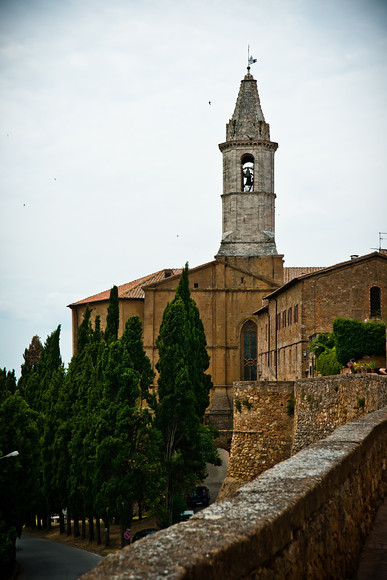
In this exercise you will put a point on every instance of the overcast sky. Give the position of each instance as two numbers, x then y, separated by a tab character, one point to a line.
109	159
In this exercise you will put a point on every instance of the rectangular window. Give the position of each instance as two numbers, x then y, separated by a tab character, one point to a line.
284	319
296	314
250	351
278	322
290	316
375	301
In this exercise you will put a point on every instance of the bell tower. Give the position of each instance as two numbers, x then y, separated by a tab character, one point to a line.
248	179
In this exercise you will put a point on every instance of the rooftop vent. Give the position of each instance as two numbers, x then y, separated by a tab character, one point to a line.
354	256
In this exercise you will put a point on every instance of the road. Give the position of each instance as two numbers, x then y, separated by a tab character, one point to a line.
40	559
216	475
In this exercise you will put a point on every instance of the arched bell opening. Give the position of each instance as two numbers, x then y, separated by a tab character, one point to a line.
247	173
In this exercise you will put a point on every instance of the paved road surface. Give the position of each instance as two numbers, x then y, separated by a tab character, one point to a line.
41	559
373	560
216	475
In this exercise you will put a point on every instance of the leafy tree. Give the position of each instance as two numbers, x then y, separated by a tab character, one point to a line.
19	476
32	355
132	340
183	395
74	443
113	316
50	376
29	382
121	431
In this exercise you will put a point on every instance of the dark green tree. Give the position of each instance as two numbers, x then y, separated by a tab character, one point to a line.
183	395
74	442
50	374
113	316
19	476
132	341
122	429
29	382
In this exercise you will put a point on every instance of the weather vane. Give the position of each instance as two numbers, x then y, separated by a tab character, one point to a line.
250	59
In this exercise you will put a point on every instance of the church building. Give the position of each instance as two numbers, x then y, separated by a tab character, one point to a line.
229	290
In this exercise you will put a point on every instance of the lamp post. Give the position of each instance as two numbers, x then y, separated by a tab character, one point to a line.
12	454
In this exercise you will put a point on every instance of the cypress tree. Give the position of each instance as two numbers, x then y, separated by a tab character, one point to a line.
113	316
132	341
183	395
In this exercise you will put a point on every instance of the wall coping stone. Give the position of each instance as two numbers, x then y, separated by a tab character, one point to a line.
232	539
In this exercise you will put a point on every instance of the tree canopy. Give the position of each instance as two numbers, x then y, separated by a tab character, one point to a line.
183	396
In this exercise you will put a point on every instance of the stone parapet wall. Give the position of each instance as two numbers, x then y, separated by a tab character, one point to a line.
324	403
307	517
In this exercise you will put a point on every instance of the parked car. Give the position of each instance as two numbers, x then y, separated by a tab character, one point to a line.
200	496
186	515
143	533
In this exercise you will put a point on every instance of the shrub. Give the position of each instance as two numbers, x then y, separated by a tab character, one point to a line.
327	363
323	342
355	339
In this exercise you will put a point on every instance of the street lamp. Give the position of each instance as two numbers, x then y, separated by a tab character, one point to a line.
12	454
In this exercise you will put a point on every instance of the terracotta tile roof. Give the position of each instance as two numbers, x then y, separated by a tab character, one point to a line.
133	289
294	272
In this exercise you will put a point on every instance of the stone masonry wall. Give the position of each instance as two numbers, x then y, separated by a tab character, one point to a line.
307	517
324	403
264	433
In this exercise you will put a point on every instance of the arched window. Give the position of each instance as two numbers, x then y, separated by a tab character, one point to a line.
247	170
375	301
249	351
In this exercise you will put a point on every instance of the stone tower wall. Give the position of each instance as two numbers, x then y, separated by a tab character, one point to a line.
263	431
263	153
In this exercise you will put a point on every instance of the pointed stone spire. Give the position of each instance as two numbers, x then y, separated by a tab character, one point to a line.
248	122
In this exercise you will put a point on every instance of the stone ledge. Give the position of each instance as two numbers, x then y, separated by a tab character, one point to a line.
305	517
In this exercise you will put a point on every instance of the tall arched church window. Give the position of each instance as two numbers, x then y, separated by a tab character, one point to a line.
247	167
375	301
249	350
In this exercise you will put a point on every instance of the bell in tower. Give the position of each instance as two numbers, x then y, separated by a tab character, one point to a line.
248	179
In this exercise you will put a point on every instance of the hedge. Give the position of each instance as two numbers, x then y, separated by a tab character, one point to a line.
355	339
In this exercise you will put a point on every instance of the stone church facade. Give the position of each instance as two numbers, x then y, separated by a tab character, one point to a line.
229	290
